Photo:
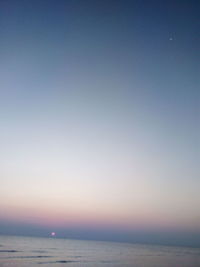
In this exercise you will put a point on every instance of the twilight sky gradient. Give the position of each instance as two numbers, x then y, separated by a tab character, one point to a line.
99	118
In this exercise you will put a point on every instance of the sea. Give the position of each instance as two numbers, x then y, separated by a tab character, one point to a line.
34	251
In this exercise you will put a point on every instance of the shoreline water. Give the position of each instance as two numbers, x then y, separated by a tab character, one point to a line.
21	251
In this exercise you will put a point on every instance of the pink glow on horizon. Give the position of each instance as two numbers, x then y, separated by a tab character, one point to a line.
50	218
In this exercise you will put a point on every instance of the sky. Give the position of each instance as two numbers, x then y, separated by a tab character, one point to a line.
99	112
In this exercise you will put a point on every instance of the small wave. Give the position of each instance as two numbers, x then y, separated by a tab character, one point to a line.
60	261
39	251
9	250
27	257
33	257
104	261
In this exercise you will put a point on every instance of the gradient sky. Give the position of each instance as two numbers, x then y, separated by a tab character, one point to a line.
99	117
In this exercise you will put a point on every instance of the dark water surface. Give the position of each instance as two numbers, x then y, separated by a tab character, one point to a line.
33	251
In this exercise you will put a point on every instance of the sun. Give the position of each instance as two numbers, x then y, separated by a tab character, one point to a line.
53	233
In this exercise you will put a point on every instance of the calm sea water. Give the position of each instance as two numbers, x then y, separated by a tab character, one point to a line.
32	251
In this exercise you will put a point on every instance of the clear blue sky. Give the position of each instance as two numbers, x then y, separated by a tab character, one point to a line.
99	118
